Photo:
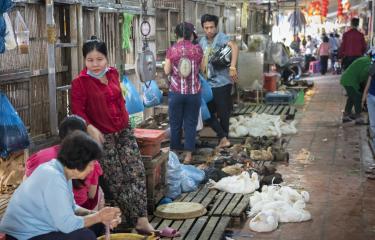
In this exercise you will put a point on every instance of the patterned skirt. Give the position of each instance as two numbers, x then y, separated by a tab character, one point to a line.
124	180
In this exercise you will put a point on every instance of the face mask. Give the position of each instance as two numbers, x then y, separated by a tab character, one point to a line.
99	75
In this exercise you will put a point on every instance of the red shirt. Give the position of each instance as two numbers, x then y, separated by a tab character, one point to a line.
99	104
191	84
353	44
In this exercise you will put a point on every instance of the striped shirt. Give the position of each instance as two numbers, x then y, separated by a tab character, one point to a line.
190	84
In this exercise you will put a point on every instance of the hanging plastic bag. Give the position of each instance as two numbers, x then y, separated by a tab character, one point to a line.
5	5
152	95
2	33
205	112
173	176
13	133
10	40
22	33
133	100
206	90
200	121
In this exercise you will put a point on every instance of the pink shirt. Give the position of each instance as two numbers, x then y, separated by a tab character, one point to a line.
191	84
45	155
324	49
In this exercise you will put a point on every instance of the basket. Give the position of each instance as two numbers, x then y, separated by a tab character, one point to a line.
128	236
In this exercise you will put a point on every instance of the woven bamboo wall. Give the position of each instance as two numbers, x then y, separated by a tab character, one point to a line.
29	95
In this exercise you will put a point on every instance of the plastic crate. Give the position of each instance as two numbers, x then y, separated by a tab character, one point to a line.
279	98
149	140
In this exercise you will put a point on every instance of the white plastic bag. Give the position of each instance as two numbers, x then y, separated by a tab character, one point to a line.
22	33
200	121
10	40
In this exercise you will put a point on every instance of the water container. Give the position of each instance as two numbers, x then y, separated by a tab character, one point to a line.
22	34
270	82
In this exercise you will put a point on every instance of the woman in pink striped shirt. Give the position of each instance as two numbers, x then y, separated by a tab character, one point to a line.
182	64
323	53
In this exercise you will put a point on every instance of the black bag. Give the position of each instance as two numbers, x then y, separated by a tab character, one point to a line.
13	133
221	57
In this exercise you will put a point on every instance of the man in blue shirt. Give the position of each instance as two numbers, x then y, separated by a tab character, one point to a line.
220	79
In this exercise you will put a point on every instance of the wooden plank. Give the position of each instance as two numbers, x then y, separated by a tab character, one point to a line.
184	229
200	196
244	109
261	110
218	200
165	223
177	224
219	210
191	195
272	110
286	108
267	109
257	108
197	228
240	208
181	197
156	221
220	227
279	109
228	210
292	110
209	228
250	109
208	199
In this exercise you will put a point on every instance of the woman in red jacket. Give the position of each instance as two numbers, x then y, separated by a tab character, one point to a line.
96	96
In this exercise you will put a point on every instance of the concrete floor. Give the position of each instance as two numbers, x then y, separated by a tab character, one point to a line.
342	199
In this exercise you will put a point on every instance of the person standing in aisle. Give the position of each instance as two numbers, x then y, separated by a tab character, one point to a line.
220	79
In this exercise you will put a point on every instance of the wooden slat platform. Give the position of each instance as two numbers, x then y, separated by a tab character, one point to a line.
221	208
288	111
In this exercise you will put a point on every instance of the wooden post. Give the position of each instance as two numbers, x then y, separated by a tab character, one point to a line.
97	23
80	35
75	67
51	32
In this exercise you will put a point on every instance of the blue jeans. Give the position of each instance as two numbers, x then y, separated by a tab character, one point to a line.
371	114
183	110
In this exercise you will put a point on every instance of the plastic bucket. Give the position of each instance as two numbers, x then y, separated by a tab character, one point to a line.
270	82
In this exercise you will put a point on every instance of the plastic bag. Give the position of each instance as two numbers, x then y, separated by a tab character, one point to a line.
10	40
152	95
22	33
174	171
2	34
13	133
133	101
200	121
194	173
5	5
206	91
188	184
205	112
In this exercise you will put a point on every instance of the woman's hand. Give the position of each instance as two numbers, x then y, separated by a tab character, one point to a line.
95	134
233	74
110	216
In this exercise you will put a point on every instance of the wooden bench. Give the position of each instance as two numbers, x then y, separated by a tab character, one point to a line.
221	207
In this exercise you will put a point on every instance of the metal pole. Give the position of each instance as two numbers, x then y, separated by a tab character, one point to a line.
372	22
51	66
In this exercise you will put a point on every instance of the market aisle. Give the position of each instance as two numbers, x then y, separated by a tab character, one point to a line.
342	199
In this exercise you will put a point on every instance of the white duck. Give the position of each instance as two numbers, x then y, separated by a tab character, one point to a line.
291	195
265	221
295	213
236	184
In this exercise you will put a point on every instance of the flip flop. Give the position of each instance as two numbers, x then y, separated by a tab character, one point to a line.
168	232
